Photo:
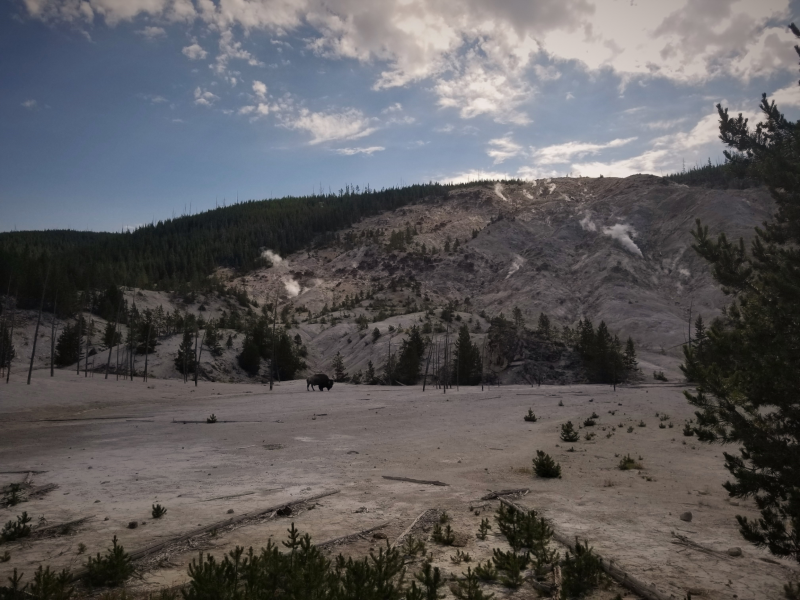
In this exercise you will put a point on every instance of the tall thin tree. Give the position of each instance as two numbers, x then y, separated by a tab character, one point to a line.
53	335
113	336
11	336
38	321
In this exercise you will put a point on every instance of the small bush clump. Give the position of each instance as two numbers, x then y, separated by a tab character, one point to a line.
530	417
659	376
109	570
627	463
444	536
568	433
14	530
158	511
212	418
545	466
582	572
483	529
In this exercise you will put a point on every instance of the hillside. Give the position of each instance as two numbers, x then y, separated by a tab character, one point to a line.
607	249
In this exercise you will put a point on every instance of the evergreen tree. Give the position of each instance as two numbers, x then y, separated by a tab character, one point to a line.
369	376
629	357
412	349
7	351
467	359
111	335
229	343
748	380
339	374
543	328
67	346
147	333
250	357
185	359
212	340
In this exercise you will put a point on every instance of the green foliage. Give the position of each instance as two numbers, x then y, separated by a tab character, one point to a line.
602	354
460	557
12	495
7	350
530	417
339	374
213	339
431	580
483	529
185	360
443	535
15	530
158	510
659	376
791	591
49	585
406	369
627	463
589	422
412	546
708	175
545	466
249	358
469	588
109	570
370	377
466	368
67	345
568	433
582	572
376	333
486	572
170	253
511	566
746	372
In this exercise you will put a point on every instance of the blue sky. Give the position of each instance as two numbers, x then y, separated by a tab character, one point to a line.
114	113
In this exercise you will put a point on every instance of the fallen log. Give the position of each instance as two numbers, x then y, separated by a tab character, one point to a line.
648	592
42	490
57	529
153	548
228	497
353	536
495	495
410	528
423	481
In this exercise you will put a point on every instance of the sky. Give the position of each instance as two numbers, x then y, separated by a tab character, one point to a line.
117	113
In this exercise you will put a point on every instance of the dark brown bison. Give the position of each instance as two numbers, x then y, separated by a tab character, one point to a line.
320	380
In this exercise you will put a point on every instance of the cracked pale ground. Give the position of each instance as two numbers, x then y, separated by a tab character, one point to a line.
115	448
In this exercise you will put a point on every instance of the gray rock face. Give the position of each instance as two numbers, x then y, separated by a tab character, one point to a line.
735	551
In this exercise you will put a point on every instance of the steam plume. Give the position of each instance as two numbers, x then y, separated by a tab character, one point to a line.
272	257
587	224
622	233
515	265
292	287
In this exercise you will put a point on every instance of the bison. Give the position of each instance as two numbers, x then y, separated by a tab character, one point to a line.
320	380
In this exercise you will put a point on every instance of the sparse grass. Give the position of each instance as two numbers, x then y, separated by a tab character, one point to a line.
628	463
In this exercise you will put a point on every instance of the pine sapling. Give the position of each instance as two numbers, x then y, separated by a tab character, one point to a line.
568	433
545	466
158	511
483	529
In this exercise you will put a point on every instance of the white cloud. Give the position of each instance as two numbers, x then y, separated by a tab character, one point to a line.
204	98
393	108
152	98
260	89
255	110
30	104
563	153
352	151
194	52
569	96
230	49
502	149
476	175
151	32
788	96
349	124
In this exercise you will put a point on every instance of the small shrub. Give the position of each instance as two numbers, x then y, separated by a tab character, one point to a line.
594	415
561	403
663	417
412	546
444	517
483	529
642	424
571	449
5	557
212	418
568	433
530	417
662	426
158	511
469	588
486	572
659	376
627	463
13	495
460	557
444	536
589	423
545	466
511	566
582	572
431	579
81	548
670	425
630	429
589	436
109	570
49	585
687	430
16	530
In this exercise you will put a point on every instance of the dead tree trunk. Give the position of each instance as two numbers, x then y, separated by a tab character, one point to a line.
38	320
272	358
483	360
427	363
113	338
197	358
147	348
11	338
53	334
80	329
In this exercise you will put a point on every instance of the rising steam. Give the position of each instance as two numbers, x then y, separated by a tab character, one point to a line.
498	189
587	224
623	233
515	265
272	257
292	287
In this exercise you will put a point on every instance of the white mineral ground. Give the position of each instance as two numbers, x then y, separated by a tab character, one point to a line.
115	448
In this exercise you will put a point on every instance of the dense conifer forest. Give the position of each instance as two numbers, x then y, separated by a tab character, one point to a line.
183	252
